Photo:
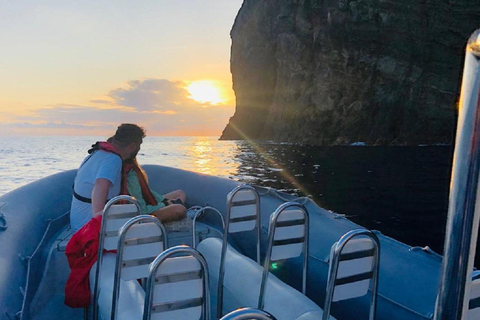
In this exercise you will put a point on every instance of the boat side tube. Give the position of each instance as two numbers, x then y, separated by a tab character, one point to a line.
28	215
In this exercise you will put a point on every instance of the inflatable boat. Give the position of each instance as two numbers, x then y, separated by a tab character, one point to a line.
35	220
413	283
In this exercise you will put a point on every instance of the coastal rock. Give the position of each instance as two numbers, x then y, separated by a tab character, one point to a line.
337	72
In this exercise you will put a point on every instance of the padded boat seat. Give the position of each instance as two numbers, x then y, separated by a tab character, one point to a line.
131	297
242	286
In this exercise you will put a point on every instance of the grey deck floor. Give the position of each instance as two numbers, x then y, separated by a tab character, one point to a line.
48	302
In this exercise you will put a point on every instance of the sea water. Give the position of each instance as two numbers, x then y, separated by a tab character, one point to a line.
400	191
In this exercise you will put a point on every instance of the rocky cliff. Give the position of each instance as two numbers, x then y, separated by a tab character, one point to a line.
385	72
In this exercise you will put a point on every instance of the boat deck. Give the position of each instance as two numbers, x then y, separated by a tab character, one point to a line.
48	301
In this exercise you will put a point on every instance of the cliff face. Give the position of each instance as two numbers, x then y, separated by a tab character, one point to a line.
386	72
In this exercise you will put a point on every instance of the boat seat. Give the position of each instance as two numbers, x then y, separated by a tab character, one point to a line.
242	284
114	216
140	241
474	301
177	286
354	264
130	302
243	214
287	239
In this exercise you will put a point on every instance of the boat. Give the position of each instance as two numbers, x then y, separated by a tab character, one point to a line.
37	218
34	230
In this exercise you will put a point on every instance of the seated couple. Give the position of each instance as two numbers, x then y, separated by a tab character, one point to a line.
111	169
169	207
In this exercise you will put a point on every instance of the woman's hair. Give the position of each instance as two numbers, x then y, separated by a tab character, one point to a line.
140	169
144	174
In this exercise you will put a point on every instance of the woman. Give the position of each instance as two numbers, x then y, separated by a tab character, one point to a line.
169	207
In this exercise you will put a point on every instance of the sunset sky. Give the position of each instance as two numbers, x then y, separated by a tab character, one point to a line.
83	67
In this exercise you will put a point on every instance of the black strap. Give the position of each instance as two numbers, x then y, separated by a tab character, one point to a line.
83	199
357	255
79	197
354	278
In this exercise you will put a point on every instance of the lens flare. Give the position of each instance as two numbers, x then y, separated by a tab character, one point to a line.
285	174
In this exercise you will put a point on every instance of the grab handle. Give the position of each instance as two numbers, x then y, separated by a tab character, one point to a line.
4	221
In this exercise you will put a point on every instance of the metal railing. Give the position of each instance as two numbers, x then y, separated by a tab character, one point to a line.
297	239
155	279
463	212
335	262
248	314
231	203
199	213
122	198
124	240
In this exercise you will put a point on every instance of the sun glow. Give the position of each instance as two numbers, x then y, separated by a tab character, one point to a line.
205	91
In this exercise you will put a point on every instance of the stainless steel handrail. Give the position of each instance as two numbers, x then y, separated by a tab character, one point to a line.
248	314
271	237
221	272
463	214
174	251
120	247
333	271
101	242
198	214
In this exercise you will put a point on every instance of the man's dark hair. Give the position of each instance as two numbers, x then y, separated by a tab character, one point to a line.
128	133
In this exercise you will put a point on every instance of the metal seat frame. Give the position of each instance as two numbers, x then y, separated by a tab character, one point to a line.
113	201
332	277
121	246
230	204
199	213
247	314
175	251
271	243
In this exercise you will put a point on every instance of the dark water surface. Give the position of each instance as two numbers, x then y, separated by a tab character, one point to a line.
400	191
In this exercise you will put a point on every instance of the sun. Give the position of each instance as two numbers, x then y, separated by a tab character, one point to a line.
205	91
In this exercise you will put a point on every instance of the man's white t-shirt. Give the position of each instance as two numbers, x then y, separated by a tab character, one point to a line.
100	164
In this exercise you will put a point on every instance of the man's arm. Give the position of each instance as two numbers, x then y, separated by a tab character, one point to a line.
99	195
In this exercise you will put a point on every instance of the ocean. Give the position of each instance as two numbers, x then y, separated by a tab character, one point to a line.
400	191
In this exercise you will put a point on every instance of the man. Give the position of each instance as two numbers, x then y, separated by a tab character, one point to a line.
99	177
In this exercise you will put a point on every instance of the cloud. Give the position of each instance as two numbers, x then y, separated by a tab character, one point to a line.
163	107
154	94
101	101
